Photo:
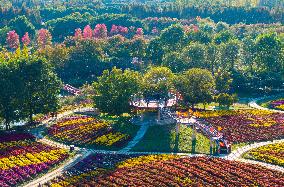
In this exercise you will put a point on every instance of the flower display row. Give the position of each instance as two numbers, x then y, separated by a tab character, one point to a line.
278	104
246	125
169	171
273	154
22	158
84	130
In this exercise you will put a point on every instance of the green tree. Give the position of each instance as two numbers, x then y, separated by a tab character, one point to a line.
173	37
86	61
22	25
157	82
155	51
175	62
41	86
224	37
223	81
230	54
195	55
10	92
225	99
196	86
114	90
268	53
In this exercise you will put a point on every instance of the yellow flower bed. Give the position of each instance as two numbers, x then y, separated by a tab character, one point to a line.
75	121
145	159
273	154
281	107
75	134
110	138
29	158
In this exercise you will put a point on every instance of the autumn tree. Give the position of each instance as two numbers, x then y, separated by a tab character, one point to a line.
12	40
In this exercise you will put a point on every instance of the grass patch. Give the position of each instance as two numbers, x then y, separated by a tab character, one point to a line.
165	139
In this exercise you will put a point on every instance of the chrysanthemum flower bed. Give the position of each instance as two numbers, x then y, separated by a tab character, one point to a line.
246	125
278	104
88	131
22	158
166	170
273	154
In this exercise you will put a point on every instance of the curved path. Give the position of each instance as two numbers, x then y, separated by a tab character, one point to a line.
253	103
83	153
80	155
57	172
237	154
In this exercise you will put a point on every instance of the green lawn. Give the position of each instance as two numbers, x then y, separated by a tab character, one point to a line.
164	139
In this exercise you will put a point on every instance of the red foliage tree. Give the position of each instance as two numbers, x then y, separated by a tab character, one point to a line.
88	32
100	31
139	32
13	39
78	34
26	39
43	38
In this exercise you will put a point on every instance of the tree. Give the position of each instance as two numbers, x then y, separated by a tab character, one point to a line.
221	26
195	55
88	32
225	99
155	51
137	47
213	57
3	35
86	61
13	40
78	34
10	92
114	90
26	39
139	32
223	81
100	31
224	37
196	86
22	25
230	54
44	38
175	62
28	86
41	86
157	82
269	59
172	38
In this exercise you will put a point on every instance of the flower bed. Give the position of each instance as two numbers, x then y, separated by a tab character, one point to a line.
278	104
22	158
166	170
273	154
246	125
87	131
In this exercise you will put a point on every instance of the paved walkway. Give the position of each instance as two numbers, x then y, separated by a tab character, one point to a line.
253	104
240	151
140	134
59	171
235	155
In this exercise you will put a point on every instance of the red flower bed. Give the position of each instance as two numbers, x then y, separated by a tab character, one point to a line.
243	126
194	171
